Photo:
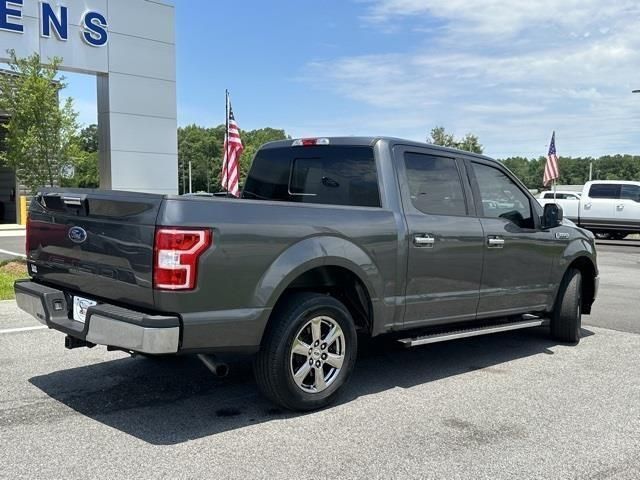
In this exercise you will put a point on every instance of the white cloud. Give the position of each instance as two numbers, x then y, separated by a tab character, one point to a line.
497	18
510	71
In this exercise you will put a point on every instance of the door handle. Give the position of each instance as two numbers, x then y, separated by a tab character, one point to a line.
587	206
495	242
620	206
424	240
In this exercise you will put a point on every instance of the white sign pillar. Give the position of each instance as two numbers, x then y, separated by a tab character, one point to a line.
130	46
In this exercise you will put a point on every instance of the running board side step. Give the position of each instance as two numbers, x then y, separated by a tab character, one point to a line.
473	332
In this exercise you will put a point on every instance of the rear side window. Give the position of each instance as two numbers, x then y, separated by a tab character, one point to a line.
331	175
605	190
630	192
434	184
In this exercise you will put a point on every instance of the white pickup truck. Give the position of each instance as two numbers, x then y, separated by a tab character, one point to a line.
609	208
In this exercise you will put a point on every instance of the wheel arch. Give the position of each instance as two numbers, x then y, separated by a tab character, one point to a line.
329	265
588	271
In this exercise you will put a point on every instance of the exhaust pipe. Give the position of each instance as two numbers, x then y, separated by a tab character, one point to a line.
219	369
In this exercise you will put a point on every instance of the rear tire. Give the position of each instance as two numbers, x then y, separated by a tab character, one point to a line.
566	319
308	352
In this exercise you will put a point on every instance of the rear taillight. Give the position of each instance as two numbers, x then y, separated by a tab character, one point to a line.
176	255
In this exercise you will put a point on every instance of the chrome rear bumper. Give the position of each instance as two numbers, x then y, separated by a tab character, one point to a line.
105	324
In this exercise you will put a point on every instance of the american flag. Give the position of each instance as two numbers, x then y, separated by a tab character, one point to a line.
551	169
233	148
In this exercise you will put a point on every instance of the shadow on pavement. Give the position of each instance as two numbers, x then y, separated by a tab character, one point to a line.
170	401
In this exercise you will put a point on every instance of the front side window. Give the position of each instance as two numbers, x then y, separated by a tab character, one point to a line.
630	192
501	197
434	184
605	190
330	175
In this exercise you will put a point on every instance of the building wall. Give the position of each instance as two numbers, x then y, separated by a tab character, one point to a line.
136	82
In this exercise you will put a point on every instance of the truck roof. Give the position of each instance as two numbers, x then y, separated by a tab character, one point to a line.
371	141
614	182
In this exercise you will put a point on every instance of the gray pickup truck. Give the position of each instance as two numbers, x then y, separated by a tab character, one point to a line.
333	238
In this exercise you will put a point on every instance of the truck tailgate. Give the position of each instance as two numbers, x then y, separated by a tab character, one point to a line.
96	243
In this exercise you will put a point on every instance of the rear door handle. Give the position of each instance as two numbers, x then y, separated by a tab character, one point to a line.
495	242
424	240
620	206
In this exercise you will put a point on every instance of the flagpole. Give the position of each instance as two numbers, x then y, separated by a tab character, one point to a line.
555	180
226	138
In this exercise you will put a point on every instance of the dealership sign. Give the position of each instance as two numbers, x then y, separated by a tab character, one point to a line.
55	21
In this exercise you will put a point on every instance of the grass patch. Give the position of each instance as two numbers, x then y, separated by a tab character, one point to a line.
10	271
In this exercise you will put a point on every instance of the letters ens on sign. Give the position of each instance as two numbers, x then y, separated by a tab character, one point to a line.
55	20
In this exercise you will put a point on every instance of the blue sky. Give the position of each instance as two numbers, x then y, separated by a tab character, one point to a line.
510	72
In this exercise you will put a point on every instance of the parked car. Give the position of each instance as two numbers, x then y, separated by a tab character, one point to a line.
610	209
560	195
332	238
568	200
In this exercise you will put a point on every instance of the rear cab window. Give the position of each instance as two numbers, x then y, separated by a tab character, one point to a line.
605	190
323	174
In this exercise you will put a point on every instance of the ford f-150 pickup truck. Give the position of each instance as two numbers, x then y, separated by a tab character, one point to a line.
609	208
333	238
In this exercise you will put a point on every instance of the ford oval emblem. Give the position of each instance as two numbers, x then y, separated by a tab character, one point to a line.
77	234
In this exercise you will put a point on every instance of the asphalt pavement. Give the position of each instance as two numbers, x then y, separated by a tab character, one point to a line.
618	305
515	405
11	245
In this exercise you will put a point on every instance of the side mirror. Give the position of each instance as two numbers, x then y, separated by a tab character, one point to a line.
552	216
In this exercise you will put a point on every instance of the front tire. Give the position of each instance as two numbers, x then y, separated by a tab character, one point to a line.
611	235
602	235
308	352
618	236
566	319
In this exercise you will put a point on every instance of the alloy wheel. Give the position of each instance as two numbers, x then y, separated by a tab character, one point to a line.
317	354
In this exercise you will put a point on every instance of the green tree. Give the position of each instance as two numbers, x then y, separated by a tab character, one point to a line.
89	138
203	147
575	170
520	167
85	171
85	161
469	142
440	137
41	134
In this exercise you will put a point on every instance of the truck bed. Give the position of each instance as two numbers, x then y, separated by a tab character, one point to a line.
238	276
